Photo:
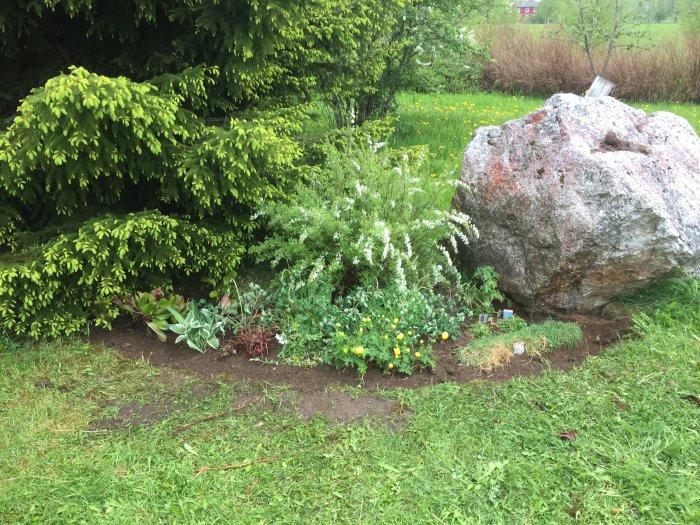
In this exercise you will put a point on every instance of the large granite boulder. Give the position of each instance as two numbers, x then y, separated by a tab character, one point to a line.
582	201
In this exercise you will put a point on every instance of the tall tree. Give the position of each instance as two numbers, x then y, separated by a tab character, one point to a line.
600	27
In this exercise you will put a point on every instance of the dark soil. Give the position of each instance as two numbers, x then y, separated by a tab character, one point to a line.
137	343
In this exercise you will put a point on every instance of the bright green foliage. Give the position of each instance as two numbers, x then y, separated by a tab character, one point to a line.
85	140
268	51
56	287
181	193
367	217
152	309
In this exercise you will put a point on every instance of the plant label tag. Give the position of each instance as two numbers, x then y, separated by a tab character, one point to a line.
483	318
507	314
599	88
519	348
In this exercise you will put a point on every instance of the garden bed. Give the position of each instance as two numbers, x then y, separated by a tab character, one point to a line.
137	343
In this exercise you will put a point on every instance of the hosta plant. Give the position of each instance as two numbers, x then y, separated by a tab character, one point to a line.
152	309
199	328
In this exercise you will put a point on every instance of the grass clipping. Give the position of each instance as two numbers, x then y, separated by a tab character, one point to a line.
489	353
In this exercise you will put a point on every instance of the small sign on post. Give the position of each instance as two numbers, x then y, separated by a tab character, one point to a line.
599	88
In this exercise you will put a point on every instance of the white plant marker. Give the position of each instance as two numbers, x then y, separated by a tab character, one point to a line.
599	88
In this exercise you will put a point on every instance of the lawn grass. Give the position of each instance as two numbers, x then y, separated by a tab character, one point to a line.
474	453
487	352
446	123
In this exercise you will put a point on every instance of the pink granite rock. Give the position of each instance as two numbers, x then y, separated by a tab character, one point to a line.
583	201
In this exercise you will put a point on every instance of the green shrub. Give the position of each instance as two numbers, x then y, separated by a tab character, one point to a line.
112	186
152	309
56	287
199	328
84	141
369	218
391	328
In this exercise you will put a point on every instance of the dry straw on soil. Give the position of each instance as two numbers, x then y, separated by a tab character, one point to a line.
531	65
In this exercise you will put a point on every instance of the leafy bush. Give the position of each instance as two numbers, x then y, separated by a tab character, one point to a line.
55	287
392	328
369	218
152	309
179	194
84	140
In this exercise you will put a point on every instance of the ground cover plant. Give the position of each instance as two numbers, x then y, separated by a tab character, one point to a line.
613	441
492	350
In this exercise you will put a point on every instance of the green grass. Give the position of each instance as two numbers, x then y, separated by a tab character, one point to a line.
655	32
538	338
446	123
474	453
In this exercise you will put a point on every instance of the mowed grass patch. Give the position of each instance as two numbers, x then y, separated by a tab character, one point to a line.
474	453
490	352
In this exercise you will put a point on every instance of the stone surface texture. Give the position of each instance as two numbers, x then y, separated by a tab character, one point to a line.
582	201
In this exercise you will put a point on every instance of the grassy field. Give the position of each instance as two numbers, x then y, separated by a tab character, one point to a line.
655	32
446	123
475	453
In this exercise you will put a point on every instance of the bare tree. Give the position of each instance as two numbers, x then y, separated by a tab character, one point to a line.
600	27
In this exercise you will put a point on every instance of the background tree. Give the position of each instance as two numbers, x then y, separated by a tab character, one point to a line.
420	35
599	27
139	135
689	14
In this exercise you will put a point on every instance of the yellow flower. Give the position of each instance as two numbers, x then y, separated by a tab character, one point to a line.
445	335
397	351
358	350
341	334
396	320
391	365
360	329
365	319
410	333
417	354
386	337
422	342
399	336
337	325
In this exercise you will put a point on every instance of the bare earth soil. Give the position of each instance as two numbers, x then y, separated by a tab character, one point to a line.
312	392
137	343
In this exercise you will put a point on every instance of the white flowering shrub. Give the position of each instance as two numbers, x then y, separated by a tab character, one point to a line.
367	217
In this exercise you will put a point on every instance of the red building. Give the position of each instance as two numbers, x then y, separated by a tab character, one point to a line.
526	8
